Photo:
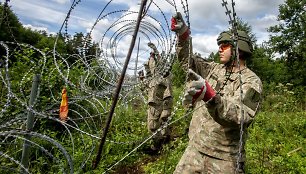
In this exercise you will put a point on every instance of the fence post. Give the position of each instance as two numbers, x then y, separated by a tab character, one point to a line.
119	85
30	122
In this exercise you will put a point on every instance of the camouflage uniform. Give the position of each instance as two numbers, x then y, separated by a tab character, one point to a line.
159	97
214	130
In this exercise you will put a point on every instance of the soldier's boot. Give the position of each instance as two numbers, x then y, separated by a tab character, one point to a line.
154	148
157	145
166	136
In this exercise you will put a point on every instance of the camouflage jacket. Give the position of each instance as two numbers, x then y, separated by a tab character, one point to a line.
161	84
215	125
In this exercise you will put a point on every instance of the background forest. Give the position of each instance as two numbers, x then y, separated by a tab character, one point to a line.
276	140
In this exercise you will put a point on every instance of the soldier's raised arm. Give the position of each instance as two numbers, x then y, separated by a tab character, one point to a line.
184	48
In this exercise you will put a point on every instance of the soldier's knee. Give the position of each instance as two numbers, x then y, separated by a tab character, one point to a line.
167	103
159	91
153	125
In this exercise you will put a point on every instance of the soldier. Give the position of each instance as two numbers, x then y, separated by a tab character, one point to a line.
214	92
141	75
159	97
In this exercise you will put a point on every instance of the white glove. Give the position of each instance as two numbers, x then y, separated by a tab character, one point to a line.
196	89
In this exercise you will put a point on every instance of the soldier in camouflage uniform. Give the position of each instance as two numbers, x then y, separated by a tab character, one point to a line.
214	92
141	75
159	97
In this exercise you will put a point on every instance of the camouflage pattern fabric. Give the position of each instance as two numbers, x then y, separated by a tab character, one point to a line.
215	126
159	97
194	161
159	89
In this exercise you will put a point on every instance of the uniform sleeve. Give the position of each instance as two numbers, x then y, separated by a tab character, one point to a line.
147	69
188	60
227	110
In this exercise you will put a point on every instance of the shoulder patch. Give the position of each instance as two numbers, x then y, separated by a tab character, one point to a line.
251	99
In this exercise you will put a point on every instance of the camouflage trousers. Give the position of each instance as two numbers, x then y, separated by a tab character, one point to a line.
194	161
155	122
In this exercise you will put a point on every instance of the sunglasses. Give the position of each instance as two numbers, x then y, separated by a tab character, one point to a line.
224	47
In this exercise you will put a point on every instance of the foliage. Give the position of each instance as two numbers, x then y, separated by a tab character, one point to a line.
127	131
13	31
172	152
9	24
289	40
169	157
277	143
178	74
267	69
280	98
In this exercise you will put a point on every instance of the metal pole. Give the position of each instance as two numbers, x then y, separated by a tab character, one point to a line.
118	88
30	122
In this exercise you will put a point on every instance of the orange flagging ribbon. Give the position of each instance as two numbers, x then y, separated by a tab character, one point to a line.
64	106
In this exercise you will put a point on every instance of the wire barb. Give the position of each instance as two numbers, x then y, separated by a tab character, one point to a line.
232	15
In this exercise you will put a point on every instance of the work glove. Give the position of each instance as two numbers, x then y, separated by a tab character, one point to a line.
179	26
151	45
197	90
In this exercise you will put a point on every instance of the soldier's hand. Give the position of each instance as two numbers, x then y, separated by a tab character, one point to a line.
151	45
179	26
197	90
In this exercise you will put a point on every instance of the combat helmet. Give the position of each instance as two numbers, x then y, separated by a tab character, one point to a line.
244	42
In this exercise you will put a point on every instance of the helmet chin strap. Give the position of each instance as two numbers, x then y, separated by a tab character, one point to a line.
230	62
232	58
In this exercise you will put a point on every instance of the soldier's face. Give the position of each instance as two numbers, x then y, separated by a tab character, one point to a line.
225	52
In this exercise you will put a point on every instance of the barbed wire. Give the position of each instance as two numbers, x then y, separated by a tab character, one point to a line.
233	22
90	90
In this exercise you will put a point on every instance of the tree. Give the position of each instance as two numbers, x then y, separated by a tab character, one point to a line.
29	36
9	24
268	69
241	25
288	38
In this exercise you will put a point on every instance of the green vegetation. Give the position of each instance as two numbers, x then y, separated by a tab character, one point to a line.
276	140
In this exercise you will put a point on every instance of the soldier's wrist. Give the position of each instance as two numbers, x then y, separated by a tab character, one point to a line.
184	35
210	92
